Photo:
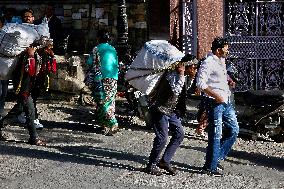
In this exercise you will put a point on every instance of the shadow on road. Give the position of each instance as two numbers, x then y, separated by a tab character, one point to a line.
259	159
88	155
81	119
74	126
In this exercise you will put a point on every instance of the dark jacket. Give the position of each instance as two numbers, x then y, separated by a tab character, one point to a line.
55	30
164	100
23	81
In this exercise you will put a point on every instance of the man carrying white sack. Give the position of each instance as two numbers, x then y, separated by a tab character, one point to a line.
167	109
28	69
28	18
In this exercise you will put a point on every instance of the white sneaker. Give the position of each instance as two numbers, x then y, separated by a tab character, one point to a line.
38	125
22	118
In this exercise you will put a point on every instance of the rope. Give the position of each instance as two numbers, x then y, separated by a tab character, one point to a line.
171	67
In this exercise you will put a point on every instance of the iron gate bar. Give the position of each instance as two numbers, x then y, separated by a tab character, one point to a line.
256	47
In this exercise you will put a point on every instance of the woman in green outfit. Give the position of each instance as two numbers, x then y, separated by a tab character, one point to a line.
103	62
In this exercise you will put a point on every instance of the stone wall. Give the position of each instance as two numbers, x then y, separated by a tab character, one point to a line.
70	74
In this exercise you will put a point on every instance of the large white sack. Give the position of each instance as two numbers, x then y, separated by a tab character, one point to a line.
7	66
17	37
150	64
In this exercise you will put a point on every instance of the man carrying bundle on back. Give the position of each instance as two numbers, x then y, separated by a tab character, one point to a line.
29	64
167	109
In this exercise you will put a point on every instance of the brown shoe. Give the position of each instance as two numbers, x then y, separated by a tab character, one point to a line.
37	142
111	131
170	169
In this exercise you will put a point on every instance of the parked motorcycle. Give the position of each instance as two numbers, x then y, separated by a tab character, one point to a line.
261	113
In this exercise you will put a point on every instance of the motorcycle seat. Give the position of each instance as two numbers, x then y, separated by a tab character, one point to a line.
264	97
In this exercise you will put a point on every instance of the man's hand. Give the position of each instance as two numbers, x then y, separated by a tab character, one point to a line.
197	92
30	51
232	84
210	92
219	99
49	51
180	68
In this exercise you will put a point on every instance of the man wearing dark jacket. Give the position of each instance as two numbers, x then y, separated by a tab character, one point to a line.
167	109
54	25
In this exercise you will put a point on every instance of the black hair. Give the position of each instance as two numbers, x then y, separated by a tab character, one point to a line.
218	42
27	10
103	36
187	58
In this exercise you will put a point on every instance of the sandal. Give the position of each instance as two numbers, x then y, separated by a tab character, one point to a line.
37	142
111	131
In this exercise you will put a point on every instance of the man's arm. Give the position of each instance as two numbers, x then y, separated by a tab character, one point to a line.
176	79
211	93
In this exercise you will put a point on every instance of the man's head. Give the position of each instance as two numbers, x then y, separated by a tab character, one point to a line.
190	63
220	47
27	16
49	10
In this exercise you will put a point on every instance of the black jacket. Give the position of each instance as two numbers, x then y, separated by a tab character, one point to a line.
164	101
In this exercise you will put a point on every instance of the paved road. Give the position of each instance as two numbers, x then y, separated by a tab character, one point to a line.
79	156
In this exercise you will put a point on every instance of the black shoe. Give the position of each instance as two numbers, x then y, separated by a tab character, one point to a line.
153	170
216	174
212	173
220	167
171	170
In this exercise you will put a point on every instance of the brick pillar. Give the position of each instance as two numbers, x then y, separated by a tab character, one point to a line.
175	38
209	23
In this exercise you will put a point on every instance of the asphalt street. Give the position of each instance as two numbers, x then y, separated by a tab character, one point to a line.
79	156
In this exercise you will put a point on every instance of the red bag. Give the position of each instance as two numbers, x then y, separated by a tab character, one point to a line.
51	67
54	65
31	66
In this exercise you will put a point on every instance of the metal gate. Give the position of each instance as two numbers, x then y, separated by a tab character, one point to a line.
255	30
189	29
183	28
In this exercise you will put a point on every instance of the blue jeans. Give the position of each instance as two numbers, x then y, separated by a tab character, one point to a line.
219	116
162	124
